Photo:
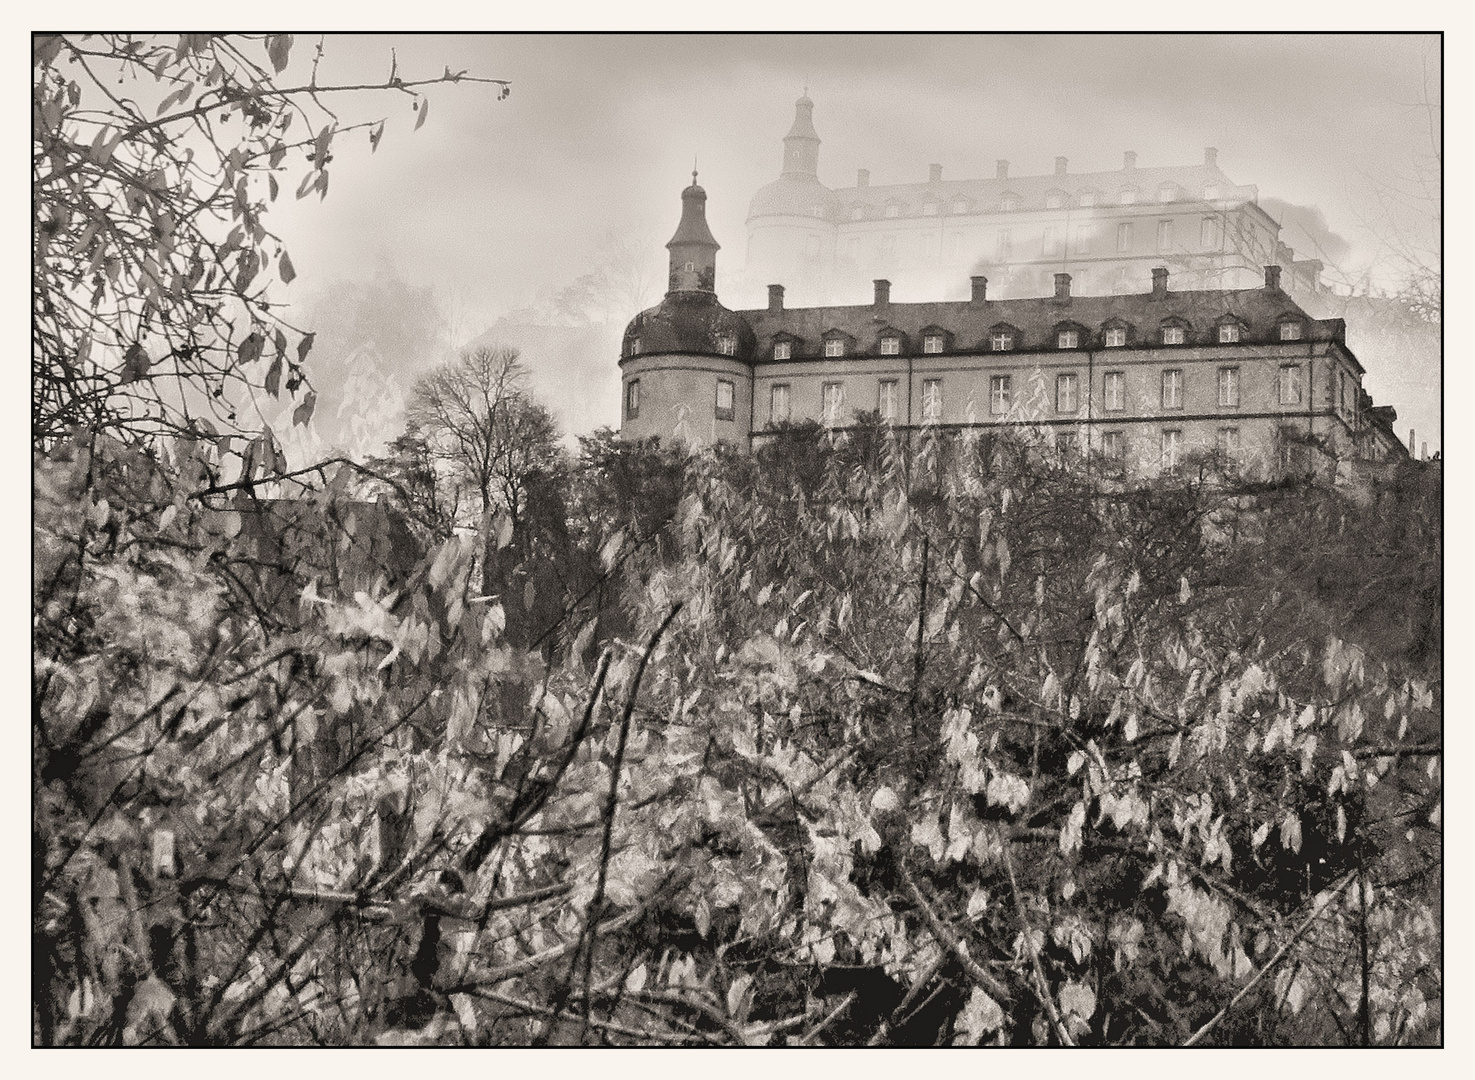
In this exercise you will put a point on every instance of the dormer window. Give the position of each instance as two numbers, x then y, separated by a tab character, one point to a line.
634	346
1211	191
1290	330
817	211
1116	337
932	343
857	213
834	347
1088	198
1009	203
1001	340
727	345
1054	200
1228	333
781	350
1167	193
691	266
1128	197
1068	339
890	346
1172	335
960	206
929	208
893	211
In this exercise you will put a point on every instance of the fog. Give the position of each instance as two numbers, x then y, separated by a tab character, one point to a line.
496	206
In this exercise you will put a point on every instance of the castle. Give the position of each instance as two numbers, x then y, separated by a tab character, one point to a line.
1106	229
1138	380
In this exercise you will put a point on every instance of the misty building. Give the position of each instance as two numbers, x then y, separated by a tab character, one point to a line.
1141	380
1106	229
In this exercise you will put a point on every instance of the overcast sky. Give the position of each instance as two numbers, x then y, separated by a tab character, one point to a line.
499	200
503	197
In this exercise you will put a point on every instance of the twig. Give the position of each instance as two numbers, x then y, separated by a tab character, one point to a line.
918	985
1316	910
1042	987
808	1039
949	941
591	929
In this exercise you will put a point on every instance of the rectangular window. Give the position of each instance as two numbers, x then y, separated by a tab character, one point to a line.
781	350
1172	447
886	400
1228	333
778	403
1229	387
1066	393
1114	445
634	346
1116	337
1001	341
632	399
1116	390
1005	244
1173	388
1172	335
932	343
832	399
1051	242
1088	198
1228	441
1290	331
1082	242
1290	384
1066	445
1124	236
931	401
890	346
1069	339
727	345
1165	236
724	399
998	394
1208	234
834	347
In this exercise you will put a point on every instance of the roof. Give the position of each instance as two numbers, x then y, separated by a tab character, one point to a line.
1189	183
693	226
1259	311
689	322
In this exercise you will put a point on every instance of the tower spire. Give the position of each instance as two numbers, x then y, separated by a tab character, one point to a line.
801	144
693	249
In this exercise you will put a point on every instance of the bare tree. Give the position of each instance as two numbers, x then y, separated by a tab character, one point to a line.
489	434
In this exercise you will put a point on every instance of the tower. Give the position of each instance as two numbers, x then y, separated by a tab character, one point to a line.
693	249
801	144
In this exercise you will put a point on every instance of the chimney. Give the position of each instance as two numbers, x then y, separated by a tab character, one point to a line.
980	288
1410	442
1060	164
1272	277
1001	170
934	173
1062	286
883	292
1159	282
775	299
1424	451
862	178
1129	159
1211	157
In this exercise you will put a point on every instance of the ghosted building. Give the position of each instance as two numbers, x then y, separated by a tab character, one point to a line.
1140	380
1106	229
